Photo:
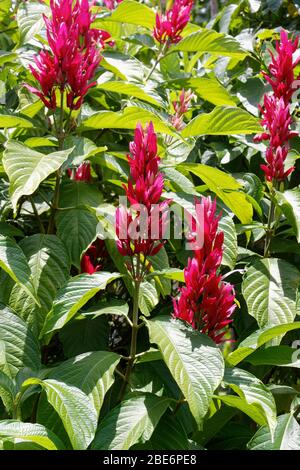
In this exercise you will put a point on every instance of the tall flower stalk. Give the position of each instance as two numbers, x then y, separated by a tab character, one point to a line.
169	26
206	302
66	69
134	226
277	121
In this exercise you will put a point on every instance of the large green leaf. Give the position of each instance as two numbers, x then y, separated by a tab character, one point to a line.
208	88
226	224
14	263
7	385
209	41
74	194
255	393
225	187
73	296
283	356
134	13
127	119
270	289
134	419
287	436
257	339
131	90
193	360
76	228
8	121
26	168
92	372
223	120
49	264
19	347
74	408
30	20
12	430
289	201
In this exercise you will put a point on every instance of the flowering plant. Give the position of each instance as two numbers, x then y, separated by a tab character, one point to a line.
149	225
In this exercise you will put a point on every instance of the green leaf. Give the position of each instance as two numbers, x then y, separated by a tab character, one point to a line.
148	297
131	90
50	267
289	202
10	230
223	120
257	339
287	436
92	372
14	263
27	168
15	430
30	20
135	419
113	307
7	387
209	41
7	121
76	228
193	360
74	408
73	296
283	356
227	226
126	119
171	273
208	88
270	288
78	193
134	13
20	347
255	393
225	187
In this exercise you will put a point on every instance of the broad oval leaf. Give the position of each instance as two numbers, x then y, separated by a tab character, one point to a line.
223	120
21	349
50	267
15	264
257	339
289	202
135	419
92	372
73	296
193	359
36	433
7	121
78	415
30	20
287	436
225	187
254	392
212	42
127	119
134	13
76	228
26	168
270	289
226	224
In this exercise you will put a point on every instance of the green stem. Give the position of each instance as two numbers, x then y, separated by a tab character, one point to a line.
41	226
160	56
134	333
61	138
270	229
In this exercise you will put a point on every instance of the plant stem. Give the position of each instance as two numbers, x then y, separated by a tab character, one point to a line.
61	138
270	230
134	332
41	226
160	56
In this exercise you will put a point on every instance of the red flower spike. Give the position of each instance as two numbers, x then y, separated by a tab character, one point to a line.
74	53
168	27
276	117
181	107
111	4
141	232
206	302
